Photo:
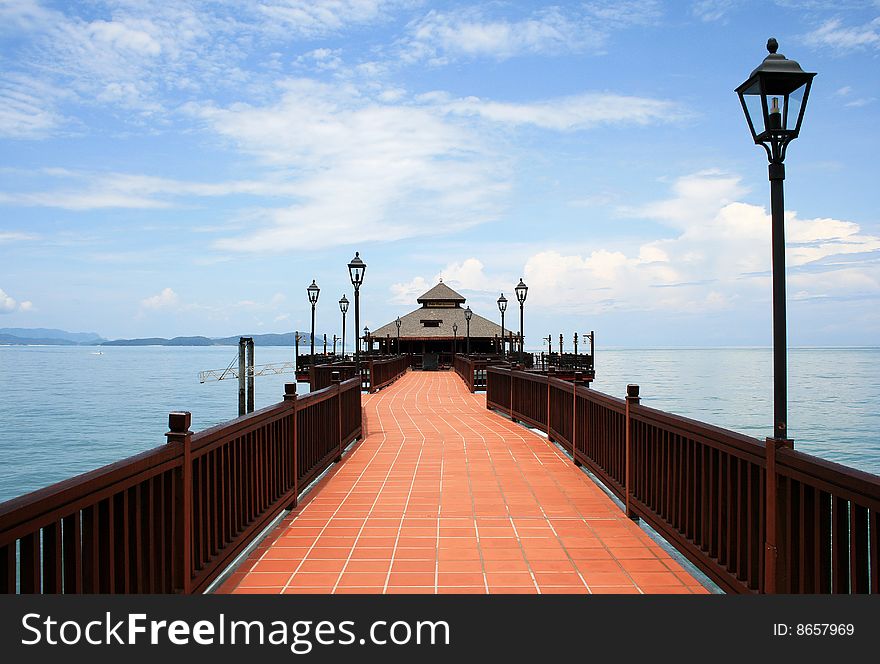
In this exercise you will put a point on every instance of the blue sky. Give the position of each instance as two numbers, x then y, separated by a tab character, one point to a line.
189	167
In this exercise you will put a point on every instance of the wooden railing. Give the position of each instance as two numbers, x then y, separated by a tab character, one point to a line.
705	489
171	520
472	371
385	371
321	375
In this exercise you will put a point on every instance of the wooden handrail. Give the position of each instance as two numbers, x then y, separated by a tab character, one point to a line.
703	488
172	518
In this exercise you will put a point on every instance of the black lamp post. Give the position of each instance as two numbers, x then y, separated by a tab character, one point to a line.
502	307
356	270
397	323
313	292
367	343
521	291
454	337
468	314
343	307
773	127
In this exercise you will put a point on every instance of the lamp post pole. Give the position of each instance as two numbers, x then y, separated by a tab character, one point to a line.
343	307
502	307
776	78
521	291
356	270
397	323
467	317
313	292
454	337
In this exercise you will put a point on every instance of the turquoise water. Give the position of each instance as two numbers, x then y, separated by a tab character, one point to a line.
66	410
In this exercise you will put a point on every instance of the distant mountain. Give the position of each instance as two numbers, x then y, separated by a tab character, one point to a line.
286	339
50	336
159	341
20	336
28	341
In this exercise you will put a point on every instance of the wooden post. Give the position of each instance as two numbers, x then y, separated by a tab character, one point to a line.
178	432
632	398
510	403
250	375
775	572
242	376
290	397
578	379
372	382
335	380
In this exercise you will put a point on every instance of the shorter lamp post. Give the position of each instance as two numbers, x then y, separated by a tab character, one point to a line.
367	343
468	314
592	337
356	270
502	307
454	337
343	307
313	292
397	323
521	291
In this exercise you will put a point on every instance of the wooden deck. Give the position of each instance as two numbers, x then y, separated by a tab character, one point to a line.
445	496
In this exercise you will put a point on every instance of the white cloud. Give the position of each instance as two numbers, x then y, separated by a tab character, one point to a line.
15	236
713	10
443	36
834	34
9	305
28	107
365	170
720	255
315	18
367	166
91	191
406	293
583	111
470	275
166	299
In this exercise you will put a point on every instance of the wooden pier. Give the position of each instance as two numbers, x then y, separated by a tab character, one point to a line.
445	496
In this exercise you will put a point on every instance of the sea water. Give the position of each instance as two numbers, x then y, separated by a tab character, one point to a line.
67	410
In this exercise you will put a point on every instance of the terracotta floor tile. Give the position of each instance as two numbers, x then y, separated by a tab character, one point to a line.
460	579
313	579
516	590
442	490
509	579
359	579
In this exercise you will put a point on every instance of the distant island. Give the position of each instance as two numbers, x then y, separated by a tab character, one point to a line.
19	336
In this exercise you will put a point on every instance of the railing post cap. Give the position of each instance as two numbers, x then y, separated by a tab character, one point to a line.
334	377
179	421
632	391
289	391
578	377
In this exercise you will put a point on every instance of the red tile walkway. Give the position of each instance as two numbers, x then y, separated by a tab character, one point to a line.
445	496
